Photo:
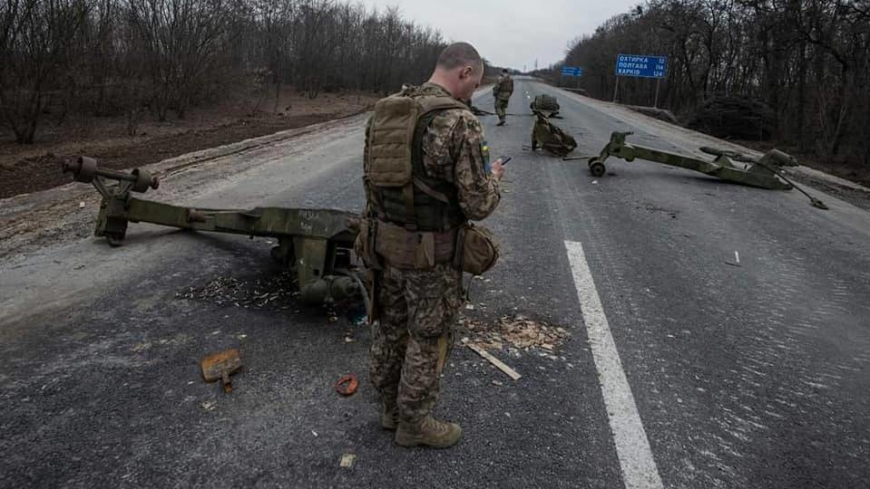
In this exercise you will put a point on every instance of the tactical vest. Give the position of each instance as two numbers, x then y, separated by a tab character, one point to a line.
402	192
507	85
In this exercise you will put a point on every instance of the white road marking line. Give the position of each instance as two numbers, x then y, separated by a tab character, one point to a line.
632	446
737	257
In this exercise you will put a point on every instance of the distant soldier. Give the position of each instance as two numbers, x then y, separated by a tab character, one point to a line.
426	173
502	91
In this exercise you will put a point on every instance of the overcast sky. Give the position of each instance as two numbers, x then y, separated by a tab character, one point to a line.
512	33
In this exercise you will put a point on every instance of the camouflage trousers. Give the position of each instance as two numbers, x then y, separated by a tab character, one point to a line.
414	336
501	106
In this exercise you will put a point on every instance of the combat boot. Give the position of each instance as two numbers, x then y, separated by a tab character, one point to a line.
389	416
428	432
501	123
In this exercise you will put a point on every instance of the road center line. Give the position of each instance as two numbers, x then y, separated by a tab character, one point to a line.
632	446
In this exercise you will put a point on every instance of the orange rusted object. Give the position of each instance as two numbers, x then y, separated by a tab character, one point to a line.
219	366
347	385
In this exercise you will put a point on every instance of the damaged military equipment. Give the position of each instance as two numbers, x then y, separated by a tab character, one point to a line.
316	243
765	172
550	137
545	104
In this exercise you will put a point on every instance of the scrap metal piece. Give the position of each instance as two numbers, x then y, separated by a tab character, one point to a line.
347	385
731	166
220	366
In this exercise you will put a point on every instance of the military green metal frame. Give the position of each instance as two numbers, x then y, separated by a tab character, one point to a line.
727	165
316	243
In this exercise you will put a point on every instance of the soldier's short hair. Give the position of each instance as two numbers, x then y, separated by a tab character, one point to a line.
459	54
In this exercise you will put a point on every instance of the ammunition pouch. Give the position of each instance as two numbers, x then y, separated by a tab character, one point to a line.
477	249
364	245
417	250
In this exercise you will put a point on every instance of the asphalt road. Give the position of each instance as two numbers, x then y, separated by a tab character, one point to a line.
700	372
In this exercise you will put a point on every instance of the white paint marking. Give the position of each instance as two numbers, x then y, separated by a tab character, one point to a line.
632	446
737	257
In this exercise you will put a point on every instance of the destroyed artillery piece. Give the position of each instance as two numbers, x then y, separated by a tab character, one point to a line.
764	172
316	243
546	105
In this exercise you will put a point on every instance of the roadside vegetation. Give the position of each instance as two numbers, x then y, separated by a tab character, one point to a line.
161	58
789	72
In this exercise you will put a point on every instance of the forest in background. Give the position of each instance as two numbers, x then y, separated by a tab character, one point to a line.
796	72
161	57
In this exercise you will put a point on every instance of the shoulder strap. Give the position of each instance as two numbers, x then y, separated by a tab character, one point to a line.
417	157
431	104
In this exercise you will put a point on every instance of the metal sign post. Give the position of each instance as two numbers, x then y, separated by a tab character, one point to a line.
656	103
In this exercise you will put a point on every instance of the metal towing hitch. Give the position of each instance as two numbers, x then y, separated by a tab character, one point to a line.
316	243
765	172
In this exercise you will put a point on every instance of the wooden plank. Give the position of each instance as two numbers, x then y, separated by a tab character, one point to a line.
495	361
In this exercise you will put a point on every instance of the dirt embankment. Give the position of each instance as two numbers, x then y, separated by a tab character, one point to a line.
30	168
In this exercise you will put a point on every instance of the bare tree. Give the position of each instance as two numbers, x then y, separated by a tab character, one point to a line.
38	38
808	60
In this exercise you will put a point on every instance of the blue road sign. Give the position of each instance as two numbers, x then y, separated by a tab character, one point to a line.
572	71
641	66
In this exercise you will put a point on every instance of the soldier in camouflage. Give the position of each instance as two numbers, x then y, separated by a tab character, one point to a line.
416	302
502	91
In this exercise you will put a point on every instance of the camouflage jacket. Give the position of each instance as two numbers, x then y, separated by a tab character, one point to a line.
455	150
504	87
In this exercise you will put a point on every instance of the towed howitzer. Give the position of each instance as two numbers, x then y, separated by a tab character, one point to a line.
764	172
315	243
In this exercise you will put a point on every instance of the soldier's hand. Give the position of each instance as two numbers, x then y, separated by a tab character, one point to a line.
497	169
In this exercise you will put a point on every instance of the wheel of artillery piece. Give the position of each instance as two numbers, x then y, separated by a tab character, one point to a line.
84	169
596	167
144	181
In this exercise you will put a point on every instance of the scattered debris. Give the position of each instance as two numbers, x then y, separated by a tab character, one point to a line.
314	433
219	366
208	406
347	460
278	291
498	383
347	385
518	331
495	361
736	262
